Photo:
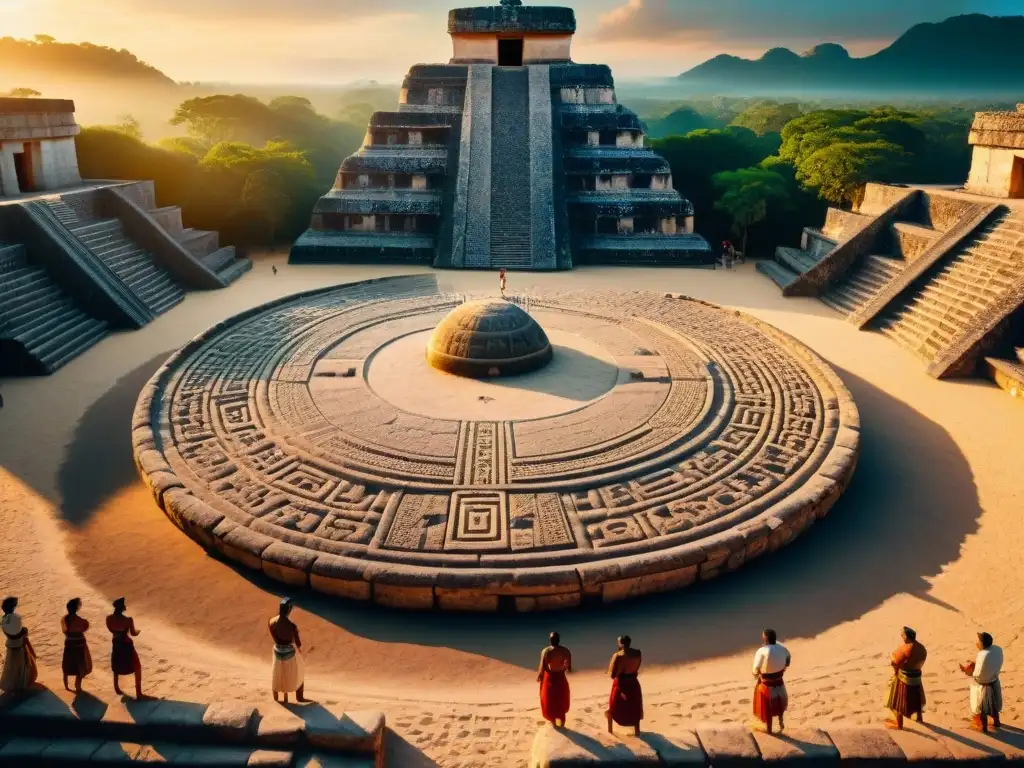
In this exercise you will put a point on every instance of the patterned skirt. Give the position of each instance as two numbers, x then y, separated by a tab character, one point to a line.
77	660
770	697
906	693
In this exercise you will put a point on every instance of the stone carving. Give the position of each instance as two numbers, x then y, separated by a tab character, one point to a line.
738	439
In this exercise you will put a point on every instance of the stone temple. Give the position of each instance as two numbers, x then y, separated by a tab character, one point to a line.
511	156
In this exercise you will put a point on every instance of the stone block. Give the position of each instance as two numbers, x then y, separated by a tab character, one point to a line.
63	751
728	747
23	749
172	715
357	732
921	748
797	745
548	602
554	748
678	749
866	746
280	727
288	563
266	758
213	757
341	576
995	746
246	546
117	752
336	761
465	600
231	720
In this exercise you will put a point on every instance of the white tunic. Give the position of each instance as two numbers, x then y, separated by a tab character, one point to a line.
986	692
770	658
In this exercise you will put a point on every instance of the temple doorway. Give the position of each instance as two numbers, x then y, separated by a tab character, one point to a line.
510	52
23	171
1017	177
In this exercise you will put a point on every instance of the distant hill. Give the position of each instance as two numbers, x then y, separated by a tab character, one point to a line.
970	55
24	62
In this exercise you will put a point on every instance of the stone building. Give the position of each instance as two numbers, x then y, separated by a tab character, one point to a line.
510	155
997	168
37	145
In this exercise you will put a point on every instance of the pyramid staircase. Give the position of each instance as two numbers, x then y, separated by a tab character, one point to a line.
950	301
202	244
134	266
511	243
41	327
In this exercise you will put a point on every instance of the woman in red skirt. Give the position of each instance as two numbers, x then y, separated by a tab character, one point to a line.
555	662
770	664
626	701
124	659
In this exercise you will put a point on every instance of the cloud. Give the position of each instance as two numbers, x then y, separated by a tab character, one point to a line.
289	12
682	21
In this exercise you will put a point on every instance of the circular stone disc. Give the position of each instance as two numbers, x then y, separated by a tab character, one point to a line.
670	441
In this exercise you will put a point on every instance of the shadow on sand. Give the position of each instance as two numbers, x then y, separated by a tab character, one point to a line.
907	511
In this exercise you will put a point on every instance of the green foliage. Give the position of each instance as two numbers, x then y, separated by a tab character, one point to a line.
744	195
127	125
767	116
23	93
839	170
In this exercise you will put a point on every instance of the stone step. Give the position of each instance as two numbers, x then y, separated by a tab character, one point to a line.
186	725
40	321
220	258
68	334
1008	374
511	243
26	316
89	338
64	212
12	305
95	229
794	259
12	257
62	751
200	242
837	301
235	270
20	280
779	274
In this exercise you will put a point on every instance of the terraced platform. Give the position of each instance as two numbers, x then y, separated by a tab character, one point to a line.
668	441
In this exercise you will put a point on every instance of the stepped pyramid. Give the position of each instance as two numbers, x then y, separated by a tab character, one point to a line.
508	156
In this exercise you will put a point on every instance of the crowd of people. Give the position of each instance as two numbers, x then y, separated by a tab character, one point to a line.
906	695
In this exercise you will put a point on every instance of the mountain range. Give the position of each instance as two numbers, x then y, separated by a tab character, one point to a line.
972	55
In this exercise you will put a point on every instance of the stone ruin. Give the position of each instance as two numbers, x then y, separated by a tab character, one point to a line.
37	145
511	156
938	270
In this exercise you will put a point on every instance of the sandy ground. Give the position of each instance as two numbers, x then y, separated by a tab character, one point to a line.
929	534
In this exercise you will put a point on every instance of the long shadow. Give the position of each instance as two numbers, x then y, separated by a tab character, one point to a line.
909	507
100	461
572	374
911	504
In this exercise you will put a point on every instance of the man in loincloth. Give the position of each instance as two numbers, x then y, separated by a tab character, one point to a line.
770	664
906	693
502	281
626	701
124	659
986	690
288	672
555	662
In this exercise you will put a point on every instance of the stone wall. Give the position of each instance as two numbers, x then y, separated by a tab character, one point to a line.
859	242
542	166
471	229
995	171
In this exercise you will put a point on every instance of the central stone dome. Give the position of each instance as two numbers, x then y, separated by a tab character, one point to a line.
488	338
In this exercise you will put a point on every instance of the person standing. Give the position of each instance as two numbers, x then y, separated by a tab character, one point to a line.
502	281
986	690
906	693
555	662
124	659
770	664
77	661
20	667
626	701
287	674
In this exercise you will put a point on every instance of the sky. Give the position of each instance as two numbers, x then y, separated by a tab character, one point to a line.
339	41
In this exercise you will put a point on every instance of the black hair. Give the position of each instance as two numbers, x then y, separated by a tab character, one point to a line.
73	604
770	637
625	641
9	604
986	639
119	605
911	634
555	638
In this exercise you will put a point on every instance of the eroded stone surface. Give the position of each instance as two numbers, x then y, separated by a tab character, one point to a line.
720	440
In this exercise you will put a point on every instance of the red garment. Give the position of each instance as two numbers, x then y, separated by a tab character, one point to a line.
554	696
770	697
626	702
